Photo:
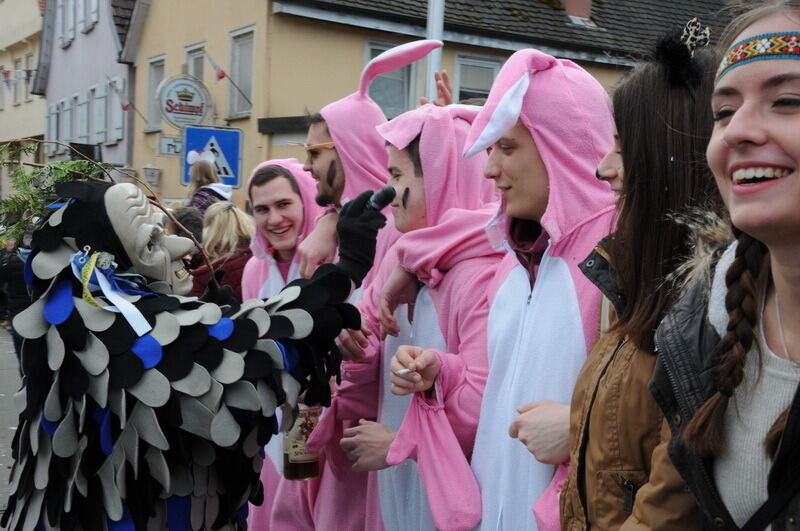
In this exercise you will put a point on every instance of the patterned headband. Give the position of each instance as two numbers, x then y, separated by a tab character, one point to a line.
766	46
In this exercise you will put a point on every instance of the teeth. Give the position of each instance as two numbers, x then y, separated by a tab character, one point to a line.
280	231
181	273
744	174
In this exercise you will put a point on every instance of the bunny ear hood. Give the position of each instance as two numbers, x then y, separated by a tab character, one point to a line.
352	121
450	180
568	114
308	191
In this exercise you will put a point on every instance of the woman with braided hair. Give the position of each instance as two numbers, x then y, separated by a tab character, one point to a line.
729	366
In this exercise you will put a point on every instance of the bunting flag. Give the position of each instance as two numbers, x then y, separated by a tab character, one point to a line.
113	86
218	69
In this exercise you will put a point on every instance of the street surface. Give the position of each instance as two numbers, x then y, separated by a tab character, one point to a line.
9	384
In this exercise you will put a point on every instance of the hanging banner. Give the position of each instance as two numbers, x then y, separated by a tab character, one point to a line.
183	100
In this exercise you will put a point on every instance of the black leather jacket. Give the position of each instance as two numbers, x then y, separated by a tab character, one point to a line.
682	382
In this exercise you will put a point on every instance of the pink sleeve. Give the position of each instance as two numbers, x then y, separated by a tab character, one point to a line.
464	369
453	492
250	279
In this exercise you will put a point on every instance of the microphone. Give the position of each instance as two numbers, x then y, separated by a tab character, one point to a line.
380	199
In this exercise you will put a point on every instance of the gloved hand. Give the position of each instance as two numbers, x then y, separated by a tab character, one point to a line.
357	228
221	295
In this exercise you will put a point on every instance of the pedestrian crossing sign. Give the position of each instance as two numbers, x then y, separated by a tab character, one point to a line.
226	145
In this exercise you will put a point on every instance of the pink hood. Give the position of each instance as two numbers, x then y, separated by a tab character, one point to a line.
352	121
450	179
308	190
569	116
257	270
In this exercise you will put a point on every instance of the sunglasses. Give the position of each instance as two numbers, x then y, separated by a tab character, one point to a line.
309	147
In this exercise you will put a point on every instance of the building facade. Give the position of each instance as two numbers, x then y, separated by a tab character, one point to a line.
21	112
88	91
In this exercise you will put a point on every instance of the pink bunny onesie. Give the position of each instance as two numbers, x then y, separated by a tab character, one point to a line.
261	279
447	317
335	499
543	317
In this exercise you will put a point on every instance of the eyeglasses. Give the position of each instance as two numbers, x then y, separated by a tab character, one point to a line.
309	147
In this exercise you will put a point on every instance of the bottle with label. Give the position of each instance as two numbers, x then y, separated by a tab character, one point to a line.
298	462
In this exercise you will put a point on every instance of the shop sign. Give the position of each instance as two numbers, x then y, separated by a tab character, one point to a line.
183	100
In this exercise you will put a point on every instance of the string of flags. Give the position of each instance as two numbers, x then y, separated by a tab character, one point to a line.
11	77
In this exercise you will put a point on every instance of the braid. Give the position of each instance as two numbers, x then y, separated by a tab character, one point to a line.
704	431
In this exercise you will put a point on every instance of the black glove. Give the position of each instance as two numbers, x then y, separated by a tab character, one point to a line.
219	294
357	228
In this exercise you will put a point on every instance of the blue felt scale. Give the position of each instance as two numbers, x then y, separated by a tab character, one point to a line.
222	329
148	350
48	426
59	304
102	416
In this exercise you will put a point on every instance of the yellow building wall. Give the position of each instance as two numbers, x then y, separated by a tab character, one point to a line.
300	65
170	27
19	38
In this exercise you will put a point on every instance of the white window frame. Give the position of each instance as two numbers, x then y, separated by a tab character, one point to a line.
65	124
155	122
232	92
484	61
82	118
99	107
28	66
51	128
19	82
371	44
191	52
88	14
60	24
116	127
67	25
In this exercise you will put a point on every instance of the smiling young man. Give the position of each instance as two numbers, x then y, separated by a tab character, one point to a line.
281	195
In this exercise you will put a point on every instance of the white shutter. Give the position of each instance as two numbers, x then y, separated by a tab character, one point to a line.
83	19
66	136
100	114
117	114
60	23
82	119
94	11
70	8
52	124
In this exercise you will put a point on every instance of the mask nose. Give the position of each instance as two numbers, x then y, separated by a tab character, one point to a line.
177	246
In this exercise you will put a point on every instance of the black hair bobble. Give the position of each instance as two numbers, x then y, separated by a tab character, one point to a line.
675	51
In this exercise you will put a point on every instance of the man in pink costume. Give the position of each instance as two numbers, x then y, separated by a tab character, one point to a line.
262	278
447	317
355	162
548	124
544	312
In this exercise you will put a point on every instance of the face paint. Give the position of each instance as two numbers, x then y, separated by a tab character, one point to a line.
331	177
406	193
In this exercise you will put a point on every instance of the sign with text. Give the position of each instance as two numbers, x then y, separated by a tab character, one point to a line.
226	145
183	100
170	145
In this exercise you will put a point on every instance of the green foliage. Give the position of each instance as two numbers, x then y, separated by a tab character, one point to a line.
34	185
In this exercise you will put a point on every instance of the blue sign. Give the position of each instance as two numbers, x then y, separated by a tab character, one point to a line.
226	145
